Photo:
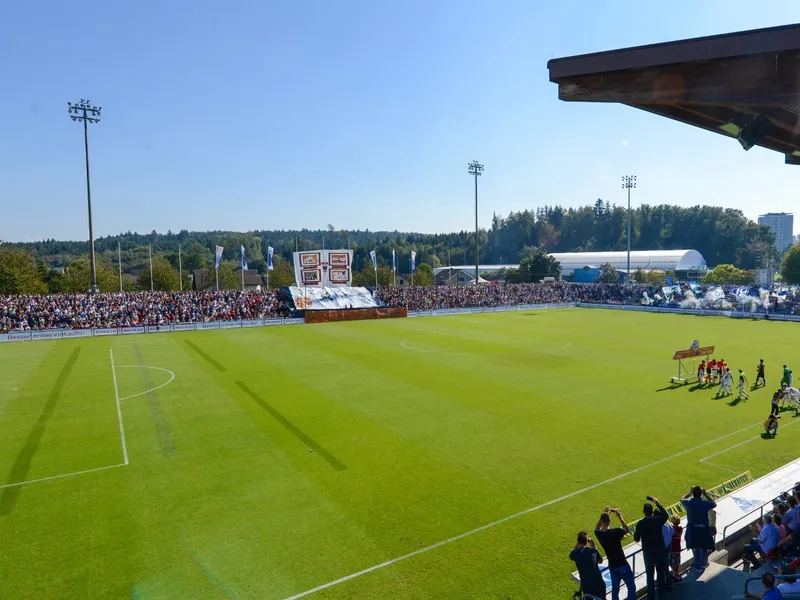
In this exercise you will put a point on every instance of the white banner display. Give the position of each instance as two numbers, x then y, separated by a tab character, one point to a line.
229	324
183	327
323	268
293	321
46	335
211	325
251	323
104	331
332	298
76	333
131	330
159	329
268	322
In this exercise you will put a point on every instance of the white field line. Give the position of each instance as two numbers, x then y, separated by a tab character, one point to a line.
9	485
119	410
747	441
522	513
710	464
158	387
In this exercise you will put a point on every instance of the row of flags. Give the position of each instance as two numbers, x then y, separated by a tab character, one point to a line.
270	253
374	258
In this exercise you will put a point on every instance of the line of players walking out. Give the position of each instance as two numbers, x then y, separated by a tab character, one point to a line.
717	372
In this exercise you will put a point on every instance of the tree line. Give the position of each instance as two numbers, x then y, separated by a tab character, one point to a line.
723	236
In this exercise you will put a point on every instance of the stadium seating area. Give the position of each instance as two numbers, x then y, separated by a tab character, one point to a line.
80	311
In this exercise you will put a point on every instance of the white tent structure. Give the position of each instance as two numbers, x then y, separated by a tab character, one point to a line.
680	261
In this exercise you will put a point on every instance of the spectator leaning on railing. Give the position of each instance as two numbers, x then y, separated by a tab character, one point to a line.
649	532
587	560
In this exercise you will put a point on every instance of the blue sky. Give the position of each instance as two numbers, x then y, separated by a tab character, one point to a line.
362	114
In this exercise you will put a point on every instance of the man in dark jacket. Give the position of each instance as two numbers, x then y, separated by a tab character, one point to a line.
649	532
587	559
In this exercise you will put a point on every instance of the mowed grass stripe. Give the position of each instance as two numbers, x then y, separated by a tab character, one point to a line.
539	446
586	391
243	476
245	509
421	497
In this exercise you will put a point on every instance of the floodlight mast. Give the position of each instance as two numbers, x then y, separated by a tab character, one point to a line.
629	182
475	169
85	112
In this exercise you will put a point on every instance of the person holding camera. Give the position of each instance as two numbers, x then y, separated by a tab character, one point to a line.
587	560
698	532
611	541
649	532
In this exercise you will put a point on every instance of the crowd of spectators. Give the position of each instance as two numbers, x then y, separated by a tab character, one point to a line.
124	309
79	311
662	537
500	294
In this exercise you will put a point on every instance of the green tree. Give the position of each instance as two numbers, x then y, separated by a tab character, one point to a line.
535	266
165	277
228	279
790	267
79	277
19	273
282	274
197	256
608	274
423	275
366	276
728	274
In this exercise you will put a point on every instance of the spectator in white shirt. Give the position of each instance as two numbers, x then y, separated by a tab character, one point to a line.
790	585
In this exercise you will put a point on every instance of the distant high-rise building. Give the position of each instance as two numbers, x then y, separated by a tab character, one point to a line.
783	226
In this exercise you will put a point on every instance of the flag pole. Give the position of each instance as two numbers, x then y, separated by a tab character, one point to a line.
216	274
151	267
242	277
180	267
119	262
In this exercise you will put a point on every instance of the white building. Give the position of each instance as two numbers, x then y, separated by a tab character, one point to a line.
687	264
783	226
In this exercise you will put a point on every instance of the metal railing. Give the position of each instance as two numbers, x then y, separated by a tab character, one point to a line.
778	578
759	509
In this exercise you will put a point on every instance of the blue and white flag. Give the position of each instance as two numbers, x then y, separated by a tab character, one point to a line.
374	260
394	262
413	261
244	261
270	252
670	281
219	257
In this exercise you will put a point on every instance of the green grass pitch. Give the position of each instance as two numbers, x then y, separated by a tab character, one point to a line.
281	459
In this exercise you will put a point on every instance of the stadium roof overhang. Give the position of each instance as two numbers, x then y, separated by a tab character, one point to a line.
743	85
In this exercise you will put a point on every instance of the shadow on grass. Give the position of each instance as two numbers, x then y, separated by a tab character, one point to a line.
21	466
672	386
768	436
734	402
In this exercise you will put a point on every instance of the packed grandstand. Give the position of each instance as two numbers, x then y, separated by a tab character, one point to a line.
82	311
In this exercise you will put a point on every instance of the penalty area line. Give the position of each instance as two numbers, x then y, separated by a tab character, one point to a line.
517	515
19	483
119	409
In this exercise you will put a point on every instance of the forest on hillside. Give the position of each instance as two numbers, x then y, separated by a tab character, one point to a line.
722	236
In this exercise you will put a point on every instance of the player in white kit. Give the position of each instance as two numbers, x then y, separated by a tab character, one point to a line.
790	395
743	395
